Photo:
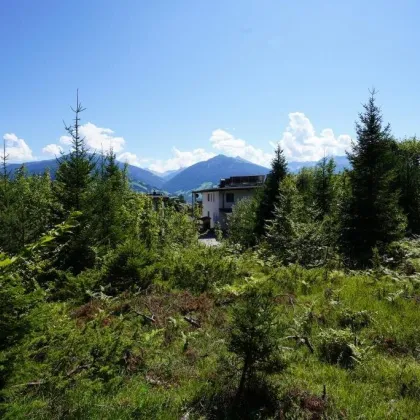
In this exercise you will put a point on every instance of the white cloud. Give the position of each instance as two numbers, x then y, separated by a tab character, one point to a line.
52	149
97	138
132	159
232	146
180	160
66	140
300	142
16	149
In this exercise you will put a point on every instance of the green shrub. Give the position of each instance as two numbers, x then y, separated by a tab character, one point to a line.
200	268
336	347
131	266
354	320
242	223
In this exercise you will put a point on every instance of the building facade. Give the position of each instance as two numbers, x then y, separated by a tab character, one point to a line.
218	202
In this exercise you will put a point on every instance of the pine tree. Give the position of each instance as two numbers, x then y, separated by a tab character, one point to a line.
254	338
305	184
6	213
371	215
409	182
271	190
324	193
74	173
108	197
280	230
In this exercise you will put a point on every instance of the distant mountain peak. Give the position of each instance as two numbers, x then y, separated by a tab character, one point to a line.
212	170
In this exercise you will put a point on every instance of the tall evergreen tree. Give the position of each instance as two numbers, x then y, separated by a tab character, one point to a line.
324	193
74	173
6	212
271	190
108	199
26	213
409	182
280	230
371	215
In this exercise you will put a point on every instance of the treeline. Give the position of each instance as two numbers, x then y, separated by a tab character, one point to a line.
319	214
111	308
90	185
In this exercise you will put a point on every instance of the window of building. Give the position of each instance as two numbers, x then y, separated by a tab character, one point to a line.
230	198
208	214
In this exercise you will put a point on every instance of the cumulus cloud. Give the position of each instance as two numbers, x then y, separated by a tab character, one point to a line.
97	138
230	145
16	149
301	143
52	149
180	160
132	159
65	140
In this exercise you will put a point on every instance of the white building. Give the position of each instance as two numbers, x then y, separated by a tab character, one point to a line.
218	202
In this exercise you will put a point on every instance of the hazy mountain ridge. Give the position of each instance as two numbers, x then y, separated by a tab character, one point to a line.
212	170
185	180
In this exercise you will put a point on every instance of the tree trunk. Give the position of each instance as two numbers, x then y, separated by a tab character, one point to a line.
242	382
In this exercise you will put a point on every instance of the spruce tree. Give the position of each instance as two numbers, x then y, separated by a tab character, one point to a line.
409	182
6	213
280	230
371	216
74	179
271	190
305	184
74	173
108	199
324	193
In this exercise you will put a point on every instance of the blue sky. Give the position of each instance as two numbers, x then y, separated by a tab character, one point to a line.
168	83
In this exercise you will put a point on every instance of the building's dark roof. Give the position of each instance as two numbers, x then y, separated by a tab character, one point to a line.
240	181
245	187
247	182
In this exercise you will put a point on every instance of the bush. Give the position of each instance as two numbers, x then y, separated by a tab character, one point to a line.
254	339
242	223
336	347
200	268
131	266
354	320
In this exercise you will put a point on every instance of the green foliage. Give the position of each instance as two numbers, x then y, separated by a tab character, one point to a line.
254	338
109	193
305	184
74	173
337	347
324	188
199	268
354	320
270	192
16	301
119	312
408	180
281	229
26	204
371	215
242	222
130	267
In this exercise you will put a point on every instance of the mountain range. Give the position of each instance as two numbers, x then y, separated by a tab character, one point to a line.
183	181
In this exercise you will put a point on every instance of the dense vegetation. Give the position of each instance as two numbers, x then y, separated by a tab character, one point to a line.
110	308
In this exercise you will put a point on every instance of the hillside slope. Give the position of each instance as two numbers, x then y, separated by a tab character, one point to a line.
212	171
137	175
